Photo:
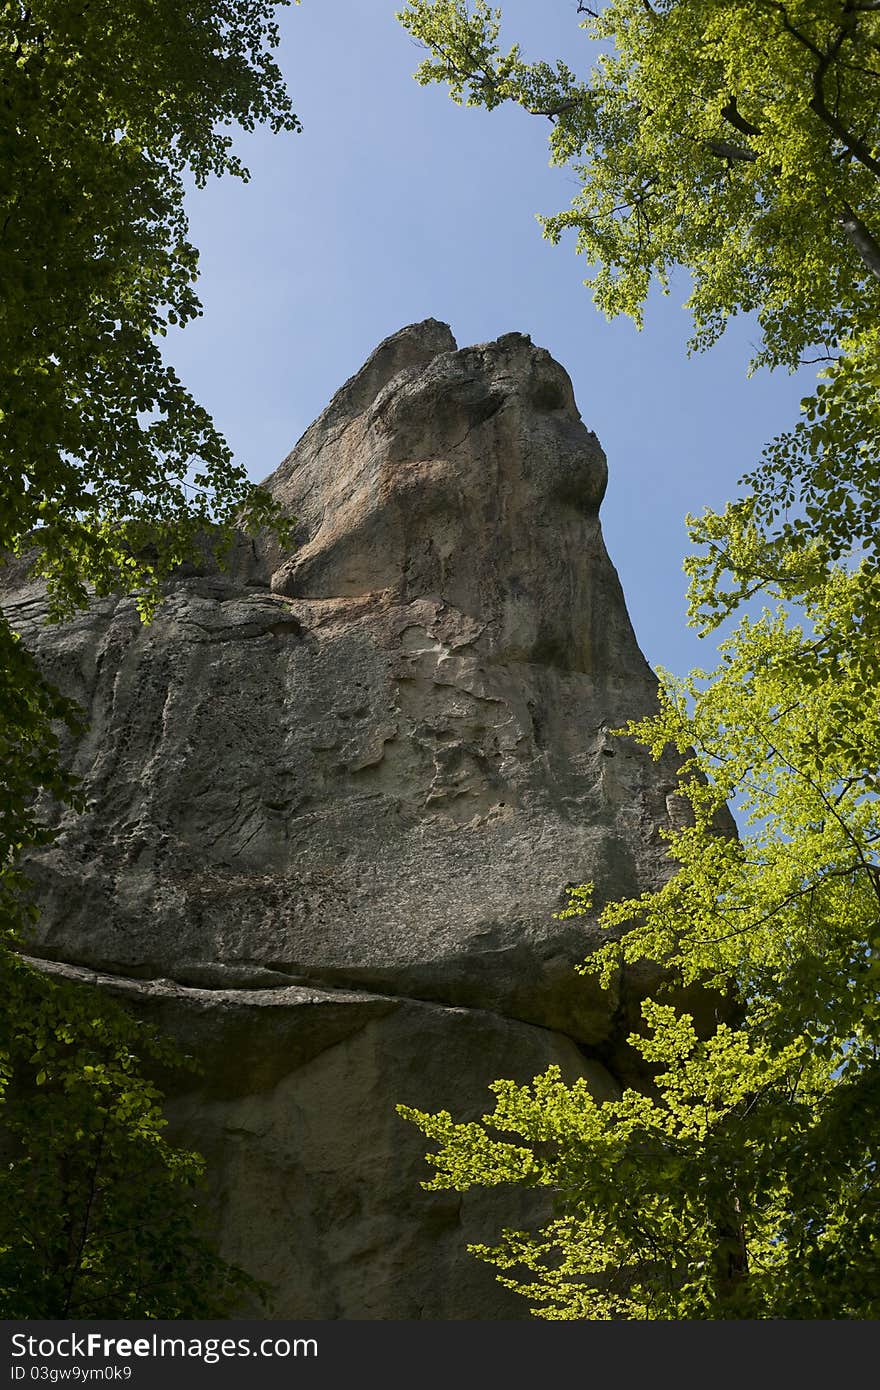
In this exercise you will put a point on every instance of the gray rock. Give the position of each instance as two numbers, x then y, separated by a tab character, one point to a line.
344	789
315	1179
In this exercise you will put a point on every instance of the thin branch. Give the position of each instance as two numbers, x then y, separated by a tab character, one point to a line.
872	870
857	148
84	1231
818	103
787	901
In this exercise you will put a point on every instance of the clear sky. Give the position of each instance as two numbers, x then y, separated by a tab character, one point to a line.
395	205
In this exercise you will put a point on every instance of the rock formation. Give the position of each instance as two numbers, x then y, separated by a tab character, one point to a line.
336	796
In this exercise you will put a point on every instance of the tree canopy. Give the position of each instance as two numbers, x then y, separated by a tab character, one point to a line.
111	474
739	140
106	108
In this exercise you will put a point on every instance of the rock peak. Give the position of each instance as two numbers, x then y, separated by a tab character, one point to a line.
466	475
413	346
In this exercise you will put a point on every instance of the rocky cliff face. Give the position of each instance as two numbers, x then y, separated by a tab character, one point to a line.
337	796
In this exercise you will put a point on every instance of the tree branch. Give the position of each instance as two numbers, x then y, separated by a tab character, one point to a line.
76	1265
724	149
861	238
733	117
857	148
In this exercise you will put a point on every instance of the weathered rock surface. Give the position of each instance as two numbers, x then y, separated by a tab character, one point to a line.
337	796
316	1179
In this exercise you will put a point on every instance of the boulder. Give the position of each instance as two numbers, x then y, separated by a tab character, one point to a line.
336	797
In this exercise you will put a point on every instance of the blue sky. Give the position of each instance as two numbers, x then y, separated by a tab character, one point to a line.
394	205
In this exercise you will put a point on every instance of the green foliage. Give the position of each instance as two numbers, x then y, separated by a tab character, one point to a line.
32	710
109	463
701	138
97	1215
744	1185
716	1197
111	475
739	140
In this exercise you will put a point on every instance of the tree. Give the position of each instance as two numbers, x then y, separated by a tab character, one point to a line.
739	140
97	1212
112	474
108	461
743	1182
